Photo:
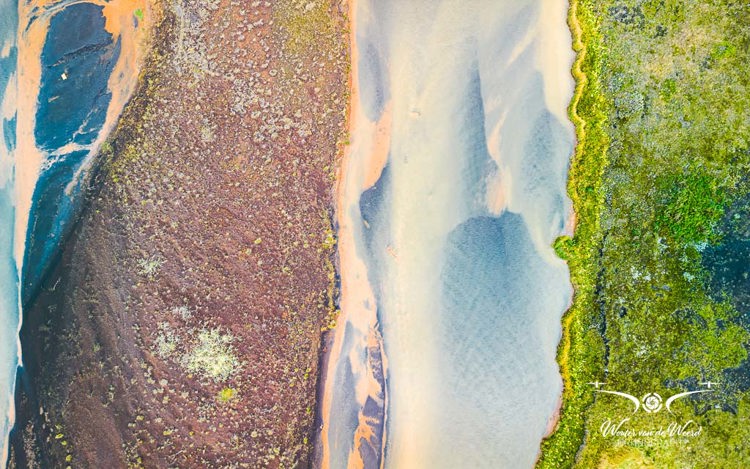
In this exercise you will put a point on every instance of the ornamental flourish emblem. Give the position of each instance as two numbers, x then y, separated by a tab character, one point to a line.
652	402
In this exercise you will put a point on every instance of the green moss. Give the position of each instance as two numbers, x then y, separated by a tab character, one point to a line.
306	25
563	246
226	395
695	206
662	150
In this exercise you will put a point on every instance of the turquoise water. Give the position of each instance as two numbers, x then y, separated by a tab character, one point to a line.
454	237
9	281
77	58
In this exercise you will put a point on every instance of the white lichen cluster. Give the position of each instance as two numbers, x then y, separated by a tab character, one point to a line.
149	266
166	341
207	352
182	312
213	357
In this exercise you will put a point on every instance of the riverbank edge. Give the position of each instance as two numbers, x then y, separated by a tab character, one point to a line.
581	352
317	438
25	450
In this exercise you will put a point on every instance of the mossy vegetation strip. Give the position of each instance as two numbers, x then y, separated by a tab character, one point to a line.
662	155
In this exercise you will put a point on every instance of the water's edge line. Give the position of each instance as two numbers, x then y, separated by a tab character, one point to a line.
578	124
568	431
581	81
344	172
108	130
321	450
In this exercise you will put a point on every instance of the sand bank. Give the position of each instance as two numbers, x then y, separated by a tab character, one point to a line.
453	240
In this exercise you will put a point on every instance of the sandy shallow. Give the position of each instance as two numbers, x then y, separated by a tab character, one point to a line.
450	196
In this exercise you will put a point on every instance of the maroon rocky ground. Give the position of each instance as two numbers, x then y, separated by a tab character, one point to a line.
182	325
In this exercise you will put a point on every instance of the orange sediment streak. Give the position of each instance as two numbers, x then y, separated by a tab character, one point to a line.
357	300
499	187
369	387
380	146
28	157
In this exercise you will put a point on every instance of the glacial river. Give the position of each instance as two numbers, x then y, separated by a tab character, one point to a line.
67	68
450	197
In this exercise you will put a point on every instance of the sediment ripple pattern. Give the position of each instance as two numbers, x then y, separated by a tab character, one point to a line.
450	197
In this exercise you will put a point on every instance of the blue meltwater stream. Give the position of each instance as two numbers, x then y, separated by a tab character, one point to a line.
450	197
67	68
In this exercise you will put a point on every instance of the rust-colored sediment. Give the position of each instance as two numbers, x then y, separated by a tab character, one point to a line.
370	140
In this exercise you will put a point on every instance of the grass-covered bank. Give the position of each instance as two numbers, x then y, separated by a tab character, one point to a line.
659	184
581	348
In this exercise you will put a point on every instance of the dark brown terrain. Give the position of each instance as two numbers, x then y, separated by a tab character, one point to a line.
182	325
